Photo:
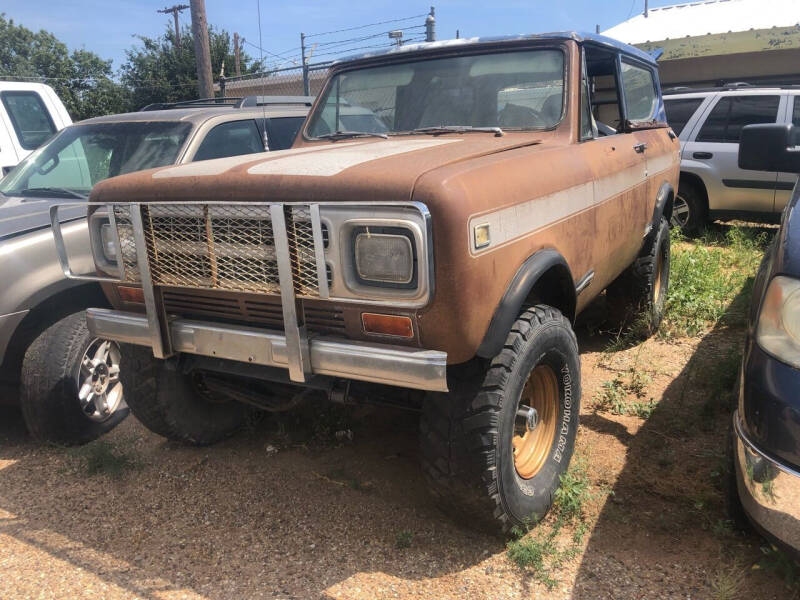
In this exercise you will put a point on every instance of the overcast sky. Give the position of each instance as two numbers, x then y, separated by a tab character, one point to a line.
107	27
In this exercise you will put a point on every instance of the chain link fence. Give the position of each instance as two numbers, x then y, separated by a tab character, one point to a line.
290	81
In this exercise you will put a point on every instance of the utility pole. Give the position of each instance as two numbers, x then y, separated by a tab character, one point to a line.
237	68
202	53
175	10
645	9
306	87
430	26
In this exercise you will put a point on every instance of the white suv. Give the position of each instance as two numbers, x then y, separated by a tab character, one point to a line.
708	123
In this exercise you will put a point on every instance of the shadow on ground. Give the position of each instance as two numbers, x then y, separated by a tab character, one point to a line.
237	520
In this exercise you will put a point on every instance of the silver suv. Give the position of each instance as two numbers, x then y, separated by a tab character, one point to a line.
66	382
708	123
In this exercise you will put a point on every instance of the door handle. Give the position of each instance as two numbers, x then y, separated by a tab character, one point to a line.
640	148
702	155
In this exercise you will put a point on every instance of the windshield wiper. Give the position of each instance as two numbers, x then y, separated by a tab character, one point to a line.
51	191
438	129
343	135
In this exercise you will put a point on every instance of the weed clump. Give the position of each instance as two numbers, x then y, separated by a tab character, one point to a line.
101	457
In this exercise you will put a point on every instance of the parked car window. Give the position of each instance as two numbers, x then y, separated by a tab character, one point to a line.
725	122
639	89
515	90
679	111
231	139
281	132
796	112
30	118
82	155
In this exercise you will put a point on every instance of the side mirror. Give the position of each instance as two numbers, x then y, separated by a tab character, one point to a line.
769	148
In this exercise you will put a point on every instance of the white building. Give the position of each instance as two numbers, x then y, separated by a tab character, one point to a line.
720	41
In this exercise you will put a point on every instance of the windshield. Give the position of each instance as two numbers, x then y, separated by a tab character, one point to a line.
512	90
82	155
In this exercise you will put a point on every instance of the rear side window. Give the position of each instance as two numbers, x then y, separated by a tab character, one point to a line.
639	89
29	116
281	132
725	122
796	112
231	139
679	111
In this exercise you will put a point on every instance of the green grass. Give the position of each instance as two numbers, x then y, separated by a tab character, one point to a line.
101	457
708	274
574	491
538	551
403	539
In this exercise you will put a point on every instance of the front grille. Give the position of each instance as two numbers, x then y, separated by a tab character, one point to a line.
228	247
249	309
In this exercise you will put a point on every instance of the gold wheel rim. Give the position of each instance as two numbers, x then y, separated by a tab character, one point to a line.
531	446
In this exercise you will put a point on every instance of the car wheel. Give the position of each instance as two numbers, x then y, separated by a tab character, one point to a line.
642	288
176	405
495	447
70	389
689	211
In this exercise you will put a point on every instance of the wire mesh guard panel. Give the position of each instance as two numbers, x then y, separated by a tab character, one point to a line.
225	247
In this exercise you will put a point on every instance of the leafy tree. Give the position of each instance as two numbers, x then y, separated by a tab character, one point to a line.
82	79
157	71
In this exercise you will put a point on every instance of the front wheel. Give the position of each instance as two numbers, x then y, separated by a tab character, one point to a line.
70	386
495	447
177	405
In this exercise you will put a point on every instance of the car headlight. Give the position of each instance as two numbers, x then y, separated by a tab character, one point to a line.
107	242
385	256
778	330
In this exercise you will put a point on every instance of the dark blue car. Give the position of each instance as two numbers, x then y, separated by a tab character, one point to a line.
766	423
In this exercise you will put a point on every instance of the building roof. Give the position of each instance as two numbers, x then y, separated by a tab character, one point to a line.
558	35
704	18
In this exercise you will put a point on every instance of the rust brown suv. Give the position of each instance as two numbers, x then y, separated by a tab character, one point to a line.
445	213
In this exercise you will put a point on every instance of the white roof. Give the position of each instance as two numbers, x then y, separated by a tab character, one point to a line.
709	17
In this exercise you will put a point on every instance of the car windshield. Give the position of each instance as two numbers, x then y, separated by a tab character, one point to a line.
512	90
82	155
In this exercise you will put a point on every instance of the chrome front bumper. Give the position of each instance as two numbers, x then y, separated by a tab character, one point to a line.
378	363
769	490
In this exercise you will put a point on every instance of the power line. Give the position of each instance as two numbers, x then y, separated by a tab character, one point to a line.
365	26
278	56
368	37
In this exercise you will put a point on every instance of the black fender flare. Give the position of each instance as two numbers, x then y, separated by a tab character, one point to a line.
519	289
664	203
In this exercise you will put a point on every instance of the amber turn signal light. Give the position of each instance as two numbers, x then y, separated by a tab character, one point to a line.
131	294
387	325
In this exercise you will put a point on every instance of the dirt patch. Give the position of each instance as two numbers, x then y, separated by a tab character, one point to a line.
284	512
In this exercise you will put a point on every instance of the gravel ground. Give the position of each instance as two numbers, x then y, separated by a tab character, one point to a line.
284	510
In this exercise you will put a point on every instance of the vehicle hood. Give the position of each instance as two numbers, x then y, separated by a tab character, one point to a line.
362	169
20	215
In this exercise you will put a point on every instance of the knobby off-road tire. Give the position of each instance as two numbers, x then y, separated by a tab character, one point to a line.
641	290
467	451
49	386
170	404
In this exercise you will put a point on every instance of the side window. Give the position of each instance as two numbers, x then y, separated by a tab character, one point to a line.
639	89
796	112
281	132
679	111
231	139
30	118
724	123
